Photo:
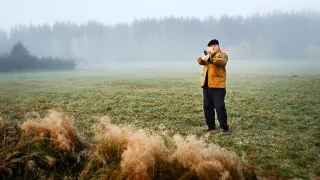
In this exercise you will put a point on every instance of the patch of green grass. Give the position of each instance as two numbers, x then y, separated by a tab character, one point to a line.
274	119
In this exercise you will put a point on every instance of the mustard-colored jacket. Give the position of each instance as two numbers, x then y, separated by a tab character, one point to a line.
216	67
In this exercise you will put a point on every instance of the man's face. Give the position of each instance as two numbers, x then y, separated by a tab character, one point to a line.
214	48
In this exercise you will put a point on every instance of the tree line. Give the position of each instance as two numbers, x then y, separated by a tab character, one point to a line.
20	59
274	36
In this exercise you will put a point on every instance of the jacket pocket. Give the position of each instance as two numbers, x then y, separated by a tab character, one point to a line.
214	71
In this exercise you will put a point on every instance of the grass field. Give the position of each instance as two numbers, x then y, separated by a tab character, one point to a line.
274	119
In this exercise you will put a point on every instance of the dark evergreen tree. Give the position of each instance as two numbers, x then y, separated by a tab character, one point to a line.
19	59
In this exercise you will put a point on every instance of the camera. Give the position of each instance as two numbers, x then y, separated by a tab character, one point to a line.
205	52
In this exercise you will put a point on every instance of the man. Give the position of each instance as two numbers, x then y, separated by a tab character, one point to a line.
214	85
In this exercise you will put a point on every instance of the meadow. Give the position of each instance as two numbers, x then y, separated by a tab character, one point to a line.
274	117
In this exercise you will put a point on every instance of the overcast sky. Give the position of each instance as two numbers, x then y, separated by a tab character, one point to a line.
13	12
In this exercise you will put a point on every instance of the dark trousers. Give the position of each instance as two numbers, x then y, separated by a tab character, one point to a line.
213	98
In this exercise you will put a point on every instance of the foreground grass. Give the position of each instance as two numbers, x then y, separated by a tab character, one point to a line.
274	119
51	148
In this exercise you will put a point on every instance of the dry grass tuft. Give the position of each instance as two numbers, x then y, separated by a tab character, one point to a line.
209	161
109	143
56	127
40	147
50	147
142	154
193	155
145	156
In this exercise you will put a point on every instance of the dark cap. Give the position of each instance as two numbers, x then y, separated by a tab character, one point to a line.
213	42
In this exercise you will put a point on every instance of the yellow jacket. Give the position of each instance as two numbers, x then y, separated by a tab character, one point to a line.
216	68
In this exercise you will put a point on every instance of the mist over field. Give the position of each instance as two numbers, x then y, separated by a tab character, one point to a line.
282	37
191	67
112	90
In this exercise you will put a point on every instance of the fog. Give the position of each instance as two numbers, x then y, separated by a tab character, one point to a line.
15	12
278	36
178	68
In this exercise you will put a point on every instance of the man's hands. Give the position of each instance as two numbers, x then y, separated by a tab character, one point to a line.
206	57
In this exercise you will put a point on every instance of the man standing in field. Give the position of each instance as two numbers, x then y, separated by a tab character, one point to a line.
214	85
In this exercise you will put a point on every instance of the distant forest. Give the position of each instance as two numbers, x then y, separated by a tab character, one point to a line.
20	59
271	36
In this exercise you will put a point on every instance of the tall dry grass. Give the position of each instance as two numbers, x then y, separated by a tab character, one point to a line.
55	127
50	147
41	147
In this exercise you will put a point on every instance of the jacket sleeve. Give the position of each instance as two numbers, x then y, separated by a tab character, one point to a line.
219	59
202	62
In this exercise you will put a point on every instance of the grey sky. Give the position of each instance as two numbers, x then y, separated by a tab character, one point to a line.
13	12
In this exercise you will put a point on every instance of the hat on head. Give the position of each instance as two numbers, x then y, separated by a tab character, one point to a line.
213	42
